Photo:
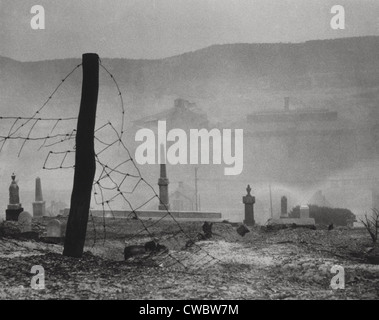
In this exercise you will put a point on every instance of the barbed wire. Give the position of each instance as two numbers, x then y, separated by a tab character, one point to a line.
114	183
121	98
118	192
13	131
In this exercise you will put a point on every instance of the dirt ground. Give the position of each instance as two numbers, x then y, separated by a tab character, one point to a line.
283	264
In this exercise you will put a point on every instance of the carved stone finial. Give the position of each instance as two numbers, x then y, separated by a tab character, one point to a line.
248	189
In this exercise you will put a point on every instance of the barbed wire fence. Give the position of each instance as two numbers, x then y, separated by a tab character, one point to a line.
116	179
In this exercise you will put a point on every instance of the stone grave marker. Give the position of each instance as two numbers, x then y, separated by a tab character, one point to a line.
283	207
304	211
249	201
14	207
54	229
25	222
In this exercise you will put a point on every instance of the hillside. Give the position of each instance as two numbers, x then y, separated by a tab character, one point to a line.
217	73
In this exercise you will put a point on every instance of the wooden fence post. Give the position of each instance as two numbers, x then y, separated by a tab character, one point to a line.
85	165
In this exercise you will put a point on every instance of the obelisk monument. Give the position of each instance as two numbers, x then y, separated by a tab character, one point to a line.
39	206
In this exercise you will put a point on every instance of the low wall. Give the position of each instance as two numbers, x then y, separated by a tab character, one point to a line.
156	214
292	221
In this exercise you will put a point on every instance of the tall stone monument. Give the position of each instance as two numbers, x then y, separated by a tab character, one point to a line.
163	189
39	206
14	206
249	201
283	207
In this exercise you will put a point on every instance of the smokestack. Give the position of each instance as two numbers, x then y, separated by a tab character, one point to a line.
163	184
286	103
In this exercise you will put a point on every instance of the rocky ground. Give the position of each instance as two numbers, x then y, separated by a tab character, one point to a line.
282	264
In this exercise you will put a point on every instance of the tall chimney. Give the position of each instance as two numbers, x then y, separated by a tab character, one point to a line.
163	183
163	189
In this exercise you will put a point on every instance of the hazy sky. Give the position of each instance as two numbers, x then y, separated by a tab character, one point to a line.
161	28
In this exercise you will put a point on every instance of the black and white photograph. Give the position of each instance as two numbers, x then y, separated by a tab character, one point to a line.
189	154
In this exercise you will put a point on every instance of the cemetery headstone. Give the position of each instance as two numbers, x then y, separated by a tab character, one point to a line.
283	207
54	229
25	222
14	206
304	211
249	201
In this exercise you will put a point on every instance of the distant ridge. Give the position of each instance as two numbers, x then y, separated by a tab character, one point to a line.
207	74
